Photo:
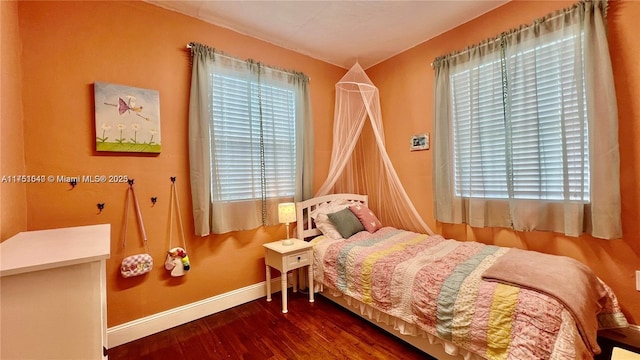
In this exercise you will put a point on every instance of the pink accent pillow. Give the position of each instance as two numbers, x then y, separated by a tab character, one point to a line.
366	217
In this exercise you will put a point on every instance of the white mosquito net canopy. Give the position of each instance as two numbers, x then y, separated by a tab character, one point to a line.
359	160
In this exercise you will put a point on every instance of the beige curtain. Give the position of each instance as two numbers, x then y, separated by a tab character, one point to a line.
212	214
600	215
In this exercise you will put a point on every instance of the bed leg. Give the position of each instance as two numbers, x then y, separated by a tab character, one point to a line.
294	280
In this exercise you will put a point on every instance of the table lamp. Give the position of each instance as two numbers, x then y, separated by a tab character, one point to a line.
286	215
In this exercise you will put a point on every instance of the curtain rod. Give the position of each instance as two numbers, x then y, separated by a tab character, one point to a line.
551	16
469	48
189	46
220	54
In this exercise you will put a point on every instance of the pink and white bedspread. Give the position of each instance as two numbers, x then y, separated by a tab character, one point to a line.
436	285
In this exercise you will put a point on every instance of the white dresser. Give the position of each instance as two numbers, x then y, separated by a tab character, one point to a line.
53	296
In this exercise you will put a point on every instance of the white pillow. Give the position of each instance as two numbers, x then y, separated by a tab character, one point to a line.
320	218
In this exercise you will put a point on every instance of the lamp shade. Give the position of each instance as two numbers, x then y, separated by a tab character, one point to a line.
287	213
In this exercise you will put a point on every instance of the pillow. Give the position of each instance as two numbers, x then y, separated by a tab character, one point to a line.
346	223
319	216
366	217
326	227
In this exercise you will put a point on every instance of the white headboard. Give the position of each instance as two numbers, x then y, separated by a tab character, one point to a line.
305	228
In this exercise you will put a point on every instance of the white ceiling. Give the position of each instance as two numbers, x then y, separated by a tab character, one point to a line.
337	32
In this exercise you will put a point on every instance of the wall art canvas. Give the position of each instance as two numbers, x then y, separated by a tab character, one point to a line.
127	119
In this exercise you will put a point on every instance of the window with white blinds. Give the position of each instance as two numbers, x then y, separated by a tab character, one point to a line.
519	128
253	136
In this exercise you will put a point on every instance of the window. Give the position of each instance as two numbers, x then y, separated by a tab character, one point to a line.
519	124
250	141
254	139
515	120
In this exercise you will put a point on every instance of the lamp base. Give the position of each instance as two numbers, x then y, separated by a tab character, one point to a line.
288	241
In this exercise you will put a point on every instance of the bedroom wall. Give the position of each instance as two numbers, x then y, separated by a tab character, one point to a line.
406	90
67	46
13	205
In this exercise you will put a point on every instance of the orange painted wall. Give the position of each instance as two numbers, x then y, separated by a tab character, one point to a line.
67	46
13	200
406	90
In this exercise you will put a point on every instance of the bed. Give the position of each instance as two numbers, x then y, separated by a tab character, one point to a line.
454	299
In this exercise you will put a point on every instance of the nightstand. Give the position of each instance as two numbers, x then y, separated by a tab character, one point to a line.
286	258
625	338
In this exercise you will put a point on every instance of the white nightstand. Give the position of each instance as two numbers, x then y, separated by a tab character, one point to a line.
286	258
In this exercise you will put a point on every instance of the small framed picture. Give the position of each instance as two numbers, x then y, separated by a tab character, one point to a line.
419	142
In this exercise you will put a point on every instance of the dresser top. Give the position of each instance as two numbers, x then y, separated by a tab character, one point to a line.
46	249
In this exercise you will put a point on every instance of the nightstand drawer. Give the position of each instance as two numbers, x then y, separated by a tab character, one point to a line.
298	260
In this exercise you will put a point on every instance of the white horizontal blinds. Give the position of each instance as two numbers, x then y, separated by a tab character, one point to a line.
545	111
237	139
279	137
550	146
479	132
233	134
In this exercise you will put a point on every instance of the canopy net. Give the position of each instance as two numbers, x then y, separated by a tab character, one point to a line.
359	160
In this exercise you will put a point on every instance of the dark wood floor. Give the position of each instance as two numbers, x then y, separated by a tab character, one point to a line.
259	330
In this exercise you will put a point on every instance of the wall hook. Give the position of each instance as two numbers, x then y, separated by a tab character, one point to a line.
153	201
130	181
100	208
73	183
173	179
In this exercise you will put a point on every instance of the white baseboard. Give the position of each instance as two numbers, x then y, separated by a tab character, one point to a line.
137	329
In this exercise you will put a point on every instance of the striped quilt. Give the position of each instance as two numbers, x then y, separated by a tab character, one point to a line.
436	285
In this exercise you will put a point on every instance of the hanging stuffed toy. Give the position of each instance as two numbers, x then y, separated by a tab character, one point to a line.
177	260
